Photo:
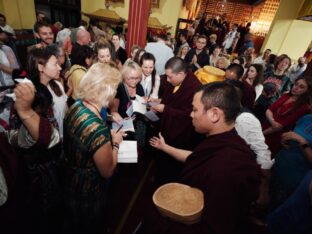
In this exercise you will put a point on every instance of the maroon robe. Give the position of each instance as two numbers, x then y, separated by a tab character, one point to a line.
176	126
176	123
224	168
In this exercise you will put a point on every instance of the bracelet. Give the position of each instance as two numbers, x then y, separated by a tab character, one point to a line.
28	117
116	146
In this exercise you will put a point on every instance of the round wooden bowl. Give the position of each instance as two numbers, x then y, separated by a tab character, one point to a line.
179	202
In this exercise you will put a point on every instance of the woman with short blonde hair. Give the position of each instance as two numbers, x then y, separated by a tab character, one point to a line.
183	51
222	63
126	93
99	84
130	87
91	150
128	67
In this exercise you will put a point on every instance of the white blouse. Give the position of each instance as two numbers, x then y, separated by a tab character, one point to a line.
59	106
7	78
146	83
258	89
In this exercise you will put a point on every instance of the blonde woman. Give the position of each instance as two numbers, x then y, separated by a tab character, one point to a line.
91	150
183	51
126	93
222	63
130	86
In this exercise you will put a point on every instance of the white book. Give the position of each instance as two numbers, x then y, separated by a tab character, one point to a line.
128	152
139	99
129	111
139	107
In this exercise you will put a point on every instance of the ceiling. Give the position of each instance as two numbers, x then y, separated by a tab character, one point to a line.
249	2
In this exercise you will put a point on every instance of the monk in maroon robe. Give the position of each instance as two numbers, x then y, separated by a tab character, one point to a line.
222	167
175	121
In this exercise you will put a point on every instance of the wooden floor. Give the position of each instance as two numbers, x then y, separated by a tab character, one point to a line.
131	188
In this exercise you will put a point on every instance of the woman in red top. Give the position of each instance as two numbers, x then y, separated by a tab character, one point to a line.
284	113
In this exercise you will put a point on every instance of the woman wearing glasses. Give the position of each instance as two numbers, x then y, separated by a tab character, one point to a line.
126	93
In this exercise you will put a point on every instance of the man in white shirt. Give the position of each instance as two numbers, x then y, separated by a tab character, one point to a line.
161	52
6	27
229	38
297	69
249	128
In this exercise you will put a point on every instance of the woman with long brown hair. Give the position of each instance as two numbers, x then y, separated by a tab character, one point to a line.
254	77
284	113
150	79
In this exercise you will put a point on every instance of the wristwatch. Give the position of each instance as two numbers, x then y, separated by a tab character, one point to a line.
303	146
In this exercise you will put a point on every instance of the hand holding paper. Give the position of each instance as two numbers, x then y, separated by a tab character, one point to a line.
24	96
20	81
117	137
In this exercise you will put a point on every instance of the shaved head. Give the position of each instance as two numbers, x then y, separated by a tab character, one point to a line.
83	37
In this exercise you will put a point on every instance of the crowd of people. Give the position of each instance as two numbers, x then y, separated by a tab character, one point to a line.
244	141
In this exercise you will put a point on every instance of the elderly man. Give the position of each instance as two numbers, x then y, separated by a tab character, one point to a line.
79	37
221	166
175	109
297	69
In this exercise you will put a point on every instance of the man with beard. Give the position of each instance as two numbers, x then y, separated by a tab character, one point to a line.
44	34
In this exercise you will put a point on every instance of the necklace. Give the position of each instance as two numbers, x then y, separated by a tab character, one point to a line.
94	106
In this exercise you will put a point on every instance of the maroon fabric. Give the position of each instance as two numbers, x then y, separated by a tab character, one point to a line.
224	168
176	123
176	126
282	115
164	85
8	162
45	131
11	212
